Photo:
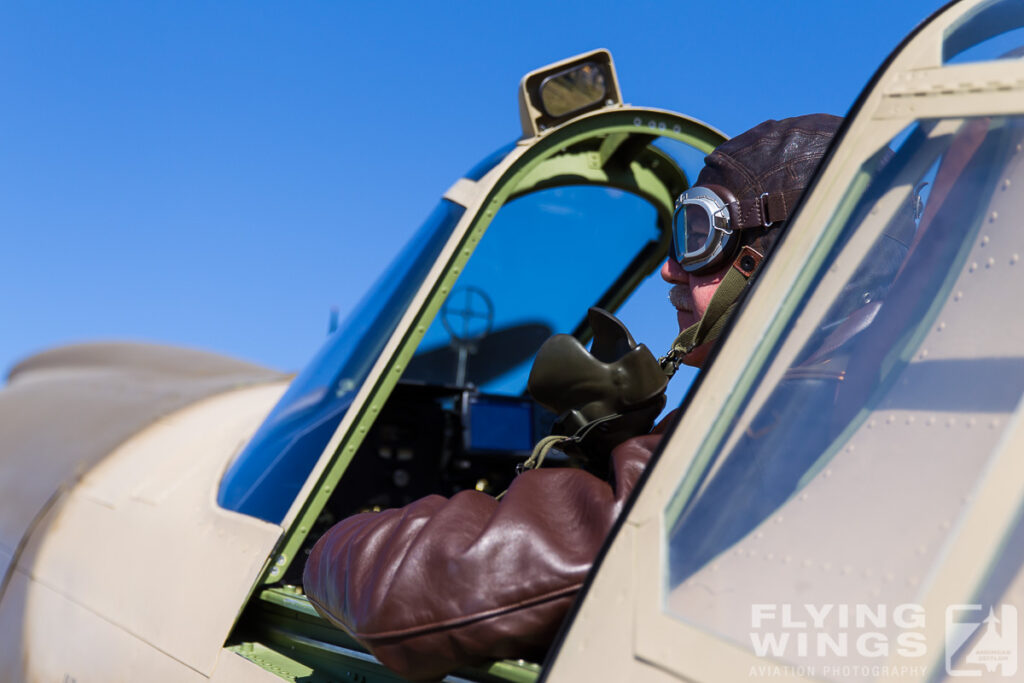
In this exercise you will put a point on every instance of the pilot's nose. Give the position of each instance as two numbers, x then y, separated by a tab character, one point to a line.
673	273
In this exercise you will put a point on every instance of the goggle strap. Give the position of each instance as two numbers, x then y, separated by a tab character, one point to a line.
719	310
763	211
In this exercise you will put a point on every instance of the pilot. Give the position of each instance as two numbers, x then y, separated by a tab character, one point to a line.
444	583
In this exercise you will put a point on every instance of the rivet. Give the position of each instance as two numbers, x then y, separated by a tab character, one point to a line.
871	424
950	422
989	263
1006	184
847	570
930	421
890	577
828	473
1014	259
913	581
958	296
910	420
803	496
941	327
778	519
827	566
922	550
924	353
993	424
971	422
808	563
993	217
788	559
984	241
973	267
769	556
892	418
759	535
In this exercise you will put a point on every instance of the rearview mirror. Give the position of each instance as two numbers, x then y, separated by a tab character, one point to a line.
573	89
560	92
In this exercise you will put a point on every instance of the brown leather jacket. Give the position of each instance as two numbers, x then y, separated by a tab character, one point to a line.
439	583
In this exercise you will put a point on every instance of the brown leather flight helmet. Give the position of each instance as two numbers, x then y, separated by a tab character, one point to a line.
766	170
774	158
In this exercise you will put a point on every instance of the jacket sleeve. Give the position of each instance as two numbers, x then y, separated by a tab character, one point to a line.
439	583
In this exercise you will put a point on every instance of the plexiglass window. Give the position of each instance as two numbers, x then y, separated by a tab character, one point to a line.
856	451
545	258
265	478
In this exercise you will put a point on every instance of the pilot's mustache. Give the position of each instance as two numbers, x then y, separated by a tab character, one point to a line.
681	297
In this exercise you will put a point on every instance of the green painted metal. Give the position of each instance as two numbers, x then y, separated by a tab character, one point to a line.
285	635
276	663
519	671
648	176
625	121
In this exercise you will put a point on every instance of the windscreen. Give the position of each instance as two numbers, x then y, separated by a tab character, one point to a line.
545	258
830	500
265	478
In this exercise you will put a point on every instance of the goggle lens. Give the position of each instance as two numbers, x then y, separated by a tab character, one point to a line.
691	231
700	235
696	227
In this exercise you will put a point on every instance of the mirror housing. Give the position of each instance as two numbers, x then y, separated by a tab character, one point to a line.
559	92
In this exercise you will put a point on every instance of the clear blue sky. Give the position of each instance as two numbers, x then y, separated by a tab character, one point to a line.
219	175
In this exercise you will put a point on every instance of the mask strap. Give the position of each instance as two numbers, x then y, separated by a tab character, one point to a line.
720	309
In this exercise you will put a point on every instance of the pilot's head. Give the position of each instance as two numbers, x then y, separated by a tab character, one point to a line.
736	212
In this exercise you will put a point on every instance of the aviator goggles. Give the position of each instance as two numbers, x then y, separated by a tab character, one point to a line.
708	219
